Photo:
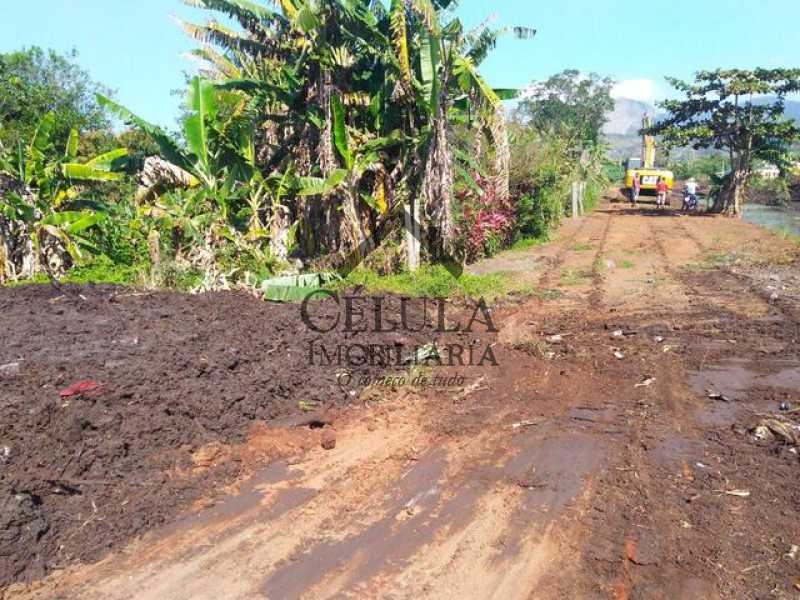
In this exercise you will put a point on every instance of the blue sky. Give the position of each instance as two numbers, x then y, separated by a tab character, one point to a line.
134	47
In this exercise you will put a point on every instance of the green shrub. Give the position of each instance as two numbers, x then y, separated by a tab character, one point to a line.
432	281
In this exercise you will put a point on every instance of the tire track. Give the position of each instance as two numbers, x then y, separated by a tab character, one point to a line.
657	240
545	281
595	297
701	291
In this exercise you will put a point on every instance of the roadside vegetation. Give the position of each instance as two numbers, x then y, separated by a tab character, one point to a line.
349	137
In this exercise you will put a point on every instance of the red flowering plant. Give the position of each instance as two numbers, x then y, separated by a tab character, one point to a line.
485	222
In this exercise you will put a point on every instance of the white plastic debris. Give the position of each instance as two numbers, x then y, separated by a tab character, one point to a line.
10	369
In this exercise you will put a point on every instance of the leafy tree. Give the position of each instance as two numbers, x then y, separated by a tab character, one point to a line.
570	103
34	82
739	111
42	217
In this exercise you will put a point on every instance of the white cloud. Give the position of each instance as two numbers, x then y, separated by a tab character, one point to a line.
635	89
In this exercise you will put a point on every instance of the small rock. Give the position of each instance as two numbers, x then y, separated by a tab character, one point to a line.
619	355
329	439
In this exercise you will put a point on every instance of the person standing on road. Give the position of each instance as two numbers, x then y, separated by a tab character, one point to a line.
661	191
636	189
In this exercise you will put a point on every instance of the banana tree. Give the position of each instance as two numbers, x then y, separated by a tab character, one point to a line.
221	181
402	68
38	223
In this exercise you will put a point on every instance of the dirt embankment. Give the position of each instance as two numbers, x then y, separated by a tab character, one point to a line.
165	384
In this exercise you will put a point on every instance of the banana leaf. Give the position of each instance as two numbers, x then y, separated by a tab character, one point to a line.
109	161
71	149
294	288
204	106
340	137
168	147
89	173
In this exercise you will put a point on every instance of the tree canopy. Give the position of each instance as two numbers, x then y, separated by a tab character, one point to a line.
35	82
739	111
574	104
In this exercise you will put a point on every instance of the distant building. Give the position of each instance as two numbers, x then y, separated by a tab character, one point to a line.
768	172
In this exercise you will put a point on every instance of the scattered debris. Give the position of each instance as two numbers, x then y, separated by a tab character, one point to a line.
10	370
717	396
555	339
737	493
309	405
769	428
618	333
618	354
476	386
783	406
646	383
423	353
792	554
658	339
524	424
80	388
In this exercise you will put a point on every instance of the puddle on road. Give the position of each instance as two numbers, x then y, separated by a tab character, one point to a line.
736	378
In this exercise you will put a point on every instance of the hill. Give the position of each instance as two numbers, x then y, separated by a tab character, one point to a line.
625	120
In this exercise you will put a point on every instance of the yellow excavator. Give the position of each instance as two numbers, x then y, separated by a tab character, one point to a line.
646	166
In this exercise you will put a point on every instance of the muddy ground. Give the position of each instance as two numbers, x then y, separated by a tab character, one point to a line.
638	439
176	380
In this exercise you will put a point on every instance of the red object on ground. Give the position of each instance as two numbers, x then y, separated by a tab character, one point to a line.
79	388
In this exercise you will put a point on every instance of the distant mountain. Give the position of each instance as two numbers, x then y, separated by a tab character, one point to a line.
622	129
626	119
792	109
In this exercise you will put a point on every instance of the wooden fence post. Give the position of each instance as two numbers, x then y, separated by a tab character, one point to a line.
411	217
574	200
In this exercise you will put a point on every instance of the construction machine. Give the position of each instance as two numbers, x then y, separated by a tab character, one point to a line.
646	165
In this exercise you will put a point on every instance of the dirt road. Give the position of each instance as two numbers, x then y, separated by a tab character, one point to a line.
614	452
